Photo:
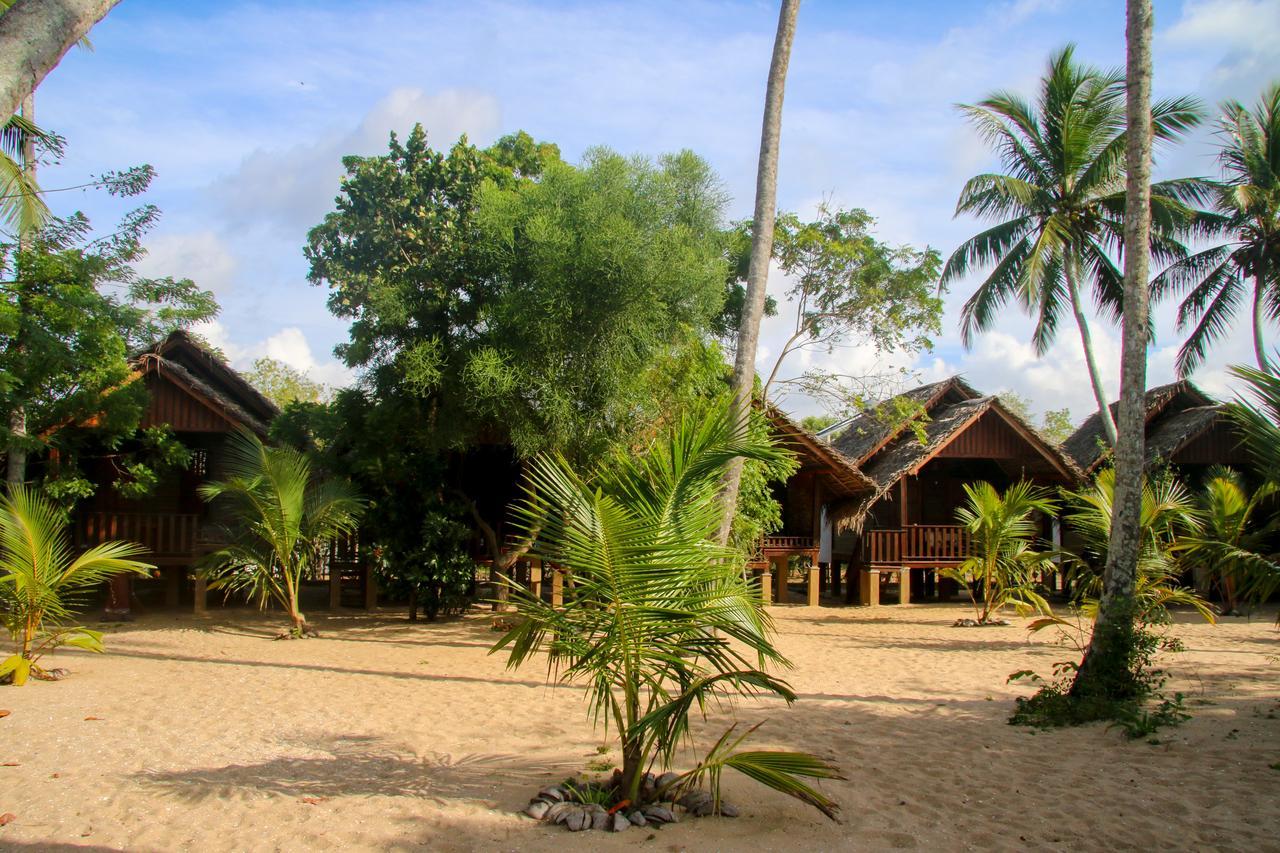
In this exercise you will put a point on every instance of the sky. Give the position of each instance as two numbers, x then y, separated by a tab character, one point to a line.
245	110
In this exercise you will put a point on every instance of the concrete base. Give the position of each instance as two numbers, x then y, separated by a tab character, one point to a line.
869	587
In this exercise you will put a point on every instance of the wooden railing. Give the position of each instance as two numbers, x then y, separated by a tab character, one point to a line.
164	534
929	544
789	543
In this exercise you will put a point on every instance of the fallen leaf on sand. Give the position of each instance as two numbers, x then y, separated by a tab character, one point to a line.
10	764
4	713
7	817
92	718
314	801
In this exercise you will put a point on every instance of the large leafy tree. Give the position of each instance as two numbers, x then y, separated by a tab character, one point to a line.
1219	280
72	309
500	297
1059	207
283	383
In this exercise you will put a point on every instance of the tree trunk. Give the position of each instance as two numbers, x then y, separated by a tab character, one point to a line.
413	604
1090	360
16	471
1107	666
1259	320
744	365
34	35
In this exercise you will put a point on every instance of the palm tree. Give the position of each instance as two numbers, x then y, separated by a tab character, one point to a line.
41	582
1247	204
661	620
1167	516
744	362
1002	532
1060	208
283	520
1258	417
1229	547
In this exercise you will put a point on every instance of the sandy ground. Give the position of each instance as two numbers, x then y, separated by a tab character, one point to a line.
381	735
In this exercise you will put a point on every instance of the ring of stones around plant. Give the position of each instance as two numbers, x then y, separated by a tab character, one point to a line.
580	806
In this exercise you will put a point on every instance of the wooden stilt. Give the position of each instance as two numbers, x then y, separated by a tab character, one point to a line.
173	578
869	587
201	606
119	593
370	589
780	573
766	583
814	585
535	577
557	587
835	578
335	587
904	586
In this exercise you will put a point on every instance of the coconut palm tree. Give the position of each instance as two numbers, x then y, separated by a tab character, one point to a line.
1229	548
1059	207
1167	516
41	582
762	222
1258	417
661	620
283	519
1219	280
1003	530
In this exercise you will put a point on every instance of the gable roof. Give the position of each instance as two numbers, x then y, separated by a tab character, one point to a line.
844	480
907	453
199	371
860	437
1087	445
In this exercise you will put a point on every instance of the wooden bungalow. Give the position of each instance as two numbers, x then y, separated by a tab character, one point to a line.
1186	430
826	481
919	450
193	391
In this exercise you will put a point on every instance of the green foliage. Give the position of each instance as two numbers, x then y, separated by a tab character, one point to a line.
817	423
283	519
1003	563
1230	548
282	383
1057	425
433	569
1246	210
660	620
42	581
1168	516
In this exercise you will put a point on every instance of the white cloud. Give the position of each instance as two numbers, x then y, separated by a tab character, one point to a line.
292	188
202	256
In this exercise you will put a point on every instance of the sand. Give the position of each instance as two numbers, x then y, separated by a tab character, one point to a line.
381	735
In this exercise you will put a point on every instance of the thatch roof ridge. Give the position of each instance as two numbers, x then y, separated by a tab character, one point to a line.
869	431
1175	432
1086	446
842	468
218	372
161	366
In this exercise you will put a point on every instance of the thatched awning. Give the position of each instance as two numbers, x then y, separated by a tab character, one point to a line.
843	479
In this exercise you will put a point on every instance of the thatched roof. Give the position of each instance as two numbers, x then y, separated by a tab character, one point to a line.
908	452
1087	446
863	435
844	480
183	359
1170	434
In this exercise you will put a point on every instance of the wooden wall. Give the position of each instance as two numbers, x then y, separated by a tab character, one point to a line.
1219	445
171	405
989	438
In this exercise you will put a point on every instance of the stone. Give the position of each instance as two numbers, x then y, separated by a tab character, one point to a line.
637	817
600	820
619	823
659	814
558	812
553	794
577	820
666	780
728	809
538	809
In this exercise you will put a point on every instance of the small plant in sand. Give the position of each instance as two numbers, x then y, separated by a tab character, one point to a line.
1003	565
41	582
283	519
660	623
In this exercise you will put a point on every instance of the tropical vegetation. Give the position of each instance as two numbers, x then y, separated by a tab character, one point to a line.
282	518
43	581
661	622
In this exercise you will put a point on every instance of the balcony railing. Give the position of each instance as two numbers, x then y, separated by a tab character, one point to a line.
167	534
917	544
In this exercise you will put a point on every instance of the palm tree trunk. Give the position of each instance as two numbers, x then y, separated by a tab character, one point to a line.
1106	669
34	34
744	364
16	470
1086	341
1259	319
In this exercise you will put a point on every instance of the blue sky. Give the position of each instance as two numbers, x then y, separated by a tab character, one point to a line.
245	109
